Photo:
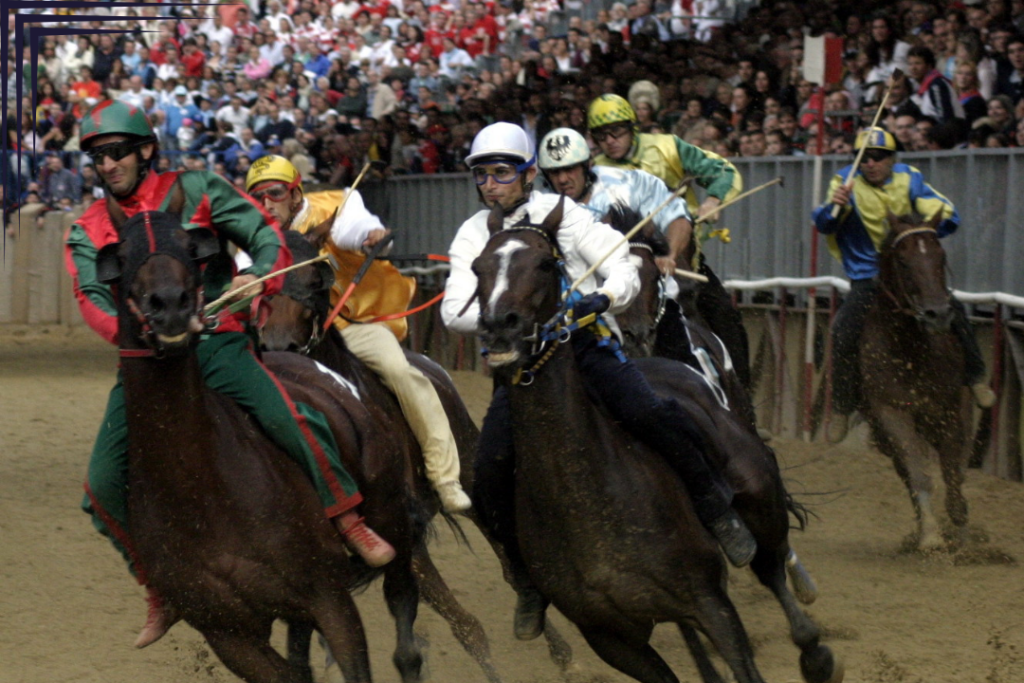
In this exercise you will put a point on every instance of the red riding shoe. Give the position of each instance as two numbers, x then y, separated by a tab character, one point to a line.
363	540
160	619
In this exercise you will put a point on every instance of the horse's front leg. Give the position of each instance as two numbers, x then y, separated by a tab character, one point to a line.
909	452
954	450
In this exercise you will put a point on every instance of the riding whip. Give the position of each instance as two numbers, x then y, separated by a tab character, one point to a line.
227	296
625	238
371	255
778	181
689	274
896	75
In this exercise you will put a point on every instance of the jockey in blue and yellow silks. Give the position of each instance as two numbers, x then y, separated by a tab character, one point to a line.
881	185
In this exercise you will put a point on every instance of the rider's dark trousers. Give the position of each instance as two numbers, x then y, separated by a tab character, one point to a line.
659	422
846	331
714	305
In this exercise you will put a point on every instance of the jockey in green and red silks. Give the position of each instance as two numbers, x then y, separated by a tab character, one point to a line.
121	143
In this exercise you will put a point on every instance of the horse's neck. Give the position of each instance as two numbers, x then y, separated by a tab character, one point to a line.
169	425
333	353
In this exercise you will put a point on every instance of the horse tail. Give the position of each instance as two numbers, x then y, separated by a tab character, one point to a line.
799	511
456	528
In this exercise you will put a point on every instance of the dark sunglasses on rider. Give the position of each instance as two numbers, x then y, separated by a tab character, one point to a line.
115	150
877	154
601	134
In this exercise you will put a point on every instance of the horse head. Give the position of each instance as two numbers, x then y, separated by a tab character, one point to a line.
518	285
156	269
296	319
640	321
912	271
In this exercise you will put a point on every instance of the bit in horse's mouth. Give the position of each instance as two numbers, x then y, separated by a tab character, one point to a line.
174	339
498	360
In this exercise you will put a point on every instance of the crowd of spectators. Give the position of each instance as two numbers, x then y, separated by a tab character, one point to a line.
406	84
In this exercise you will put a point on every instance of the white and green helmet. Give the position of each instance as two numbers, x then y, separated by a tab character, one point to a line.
562	148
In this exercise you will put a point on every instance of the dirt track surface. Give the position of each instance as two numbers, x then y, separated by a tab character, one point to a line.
69	611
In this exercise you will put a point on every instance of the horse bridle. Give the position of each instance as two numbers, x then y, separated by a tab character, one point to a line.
902	302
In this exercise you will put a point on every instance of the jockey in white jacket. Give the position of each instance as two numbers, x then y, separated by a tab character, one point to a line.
503	165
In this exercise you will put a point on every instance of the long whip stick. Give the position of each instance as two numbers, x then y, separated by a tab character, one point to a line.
625	238
706	217
214	305
896	75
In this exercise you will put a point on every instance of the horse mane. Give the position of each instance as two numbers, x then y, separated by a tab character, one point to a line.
623	218
318	299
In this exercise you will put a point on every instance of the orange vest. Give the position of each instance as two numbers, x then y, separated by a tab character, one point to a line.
382	291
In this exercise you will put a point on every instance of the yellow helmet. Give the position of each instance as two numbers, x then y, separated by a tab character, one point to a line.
875	138
272	167
608	109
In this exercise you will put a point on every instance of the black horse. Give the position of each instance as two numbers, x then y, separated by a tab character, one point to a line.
608	532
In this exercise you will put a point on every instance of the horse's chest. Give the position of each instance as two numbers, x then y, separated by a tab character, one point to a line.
908	375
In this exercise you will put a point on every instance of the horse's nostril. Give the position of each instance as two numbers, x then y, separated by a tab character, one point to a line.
931	314
183	299
511	319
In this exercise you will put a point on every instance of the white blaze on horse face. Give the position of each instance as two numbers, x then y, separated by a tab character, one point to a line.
505	252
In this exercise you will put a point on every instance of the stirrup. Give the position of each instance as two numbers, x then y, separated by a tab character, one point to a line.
735	538
838	428
984	397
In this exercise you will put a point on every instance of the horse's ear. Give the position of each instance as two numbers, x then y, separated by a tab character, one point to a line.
317	236
496	219
117	215
203	244
553	220
936	219
892	219
325	274
108	264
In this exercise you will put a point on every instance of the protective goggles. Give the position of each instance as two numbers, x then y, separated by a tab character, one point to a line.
503	174
275	192
115	150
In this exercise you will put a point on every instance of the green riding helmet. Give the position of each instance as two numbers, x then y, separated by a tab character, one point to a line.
112	117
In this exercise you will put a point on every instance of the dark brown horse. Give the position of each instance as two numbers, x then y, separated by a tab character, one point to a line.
641	337
912	368
295	324
607	530
228	528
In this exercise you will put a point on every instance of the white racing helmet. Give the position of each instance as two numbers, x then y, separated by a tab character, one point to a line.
562	148
502	141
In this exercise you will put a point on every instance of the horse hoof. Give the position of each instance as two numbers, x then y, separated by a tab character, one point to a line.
804	587
931	543
819	665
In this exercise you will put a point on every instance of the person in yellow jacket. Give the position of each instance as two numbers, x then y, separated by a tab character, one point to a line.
276	184
613	126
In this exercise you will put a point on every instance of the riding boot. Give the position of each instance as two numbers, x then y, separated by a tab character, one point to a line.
364	541
453	498
735	538
160	618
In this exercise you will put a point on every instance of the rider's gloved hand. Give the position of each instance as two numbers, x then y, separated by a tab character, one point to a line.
595	302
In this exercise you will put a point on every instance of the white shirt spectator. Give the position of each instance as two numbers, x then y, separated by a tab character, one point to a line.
238	119
452	62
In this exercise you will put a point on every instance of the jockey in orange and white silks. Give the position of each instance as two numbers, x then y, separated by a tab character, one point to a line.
275	184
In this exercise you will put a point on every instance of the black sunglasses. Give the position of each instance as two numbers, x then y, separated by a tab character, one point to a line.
877	154
115	150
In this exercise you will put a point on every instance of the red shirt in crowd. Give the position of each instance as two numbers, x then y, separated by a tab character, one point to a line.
194	63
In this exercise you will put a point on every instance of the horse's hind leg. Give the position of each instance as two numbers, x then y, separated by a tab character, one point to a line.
402	596
909	453
465	627
633	657
817	664
250	657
